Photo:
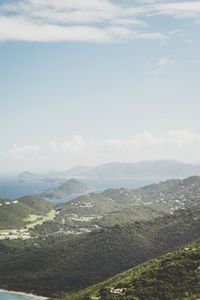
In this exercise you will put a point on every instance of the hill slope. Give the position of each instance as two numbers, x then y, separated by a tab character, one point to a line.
119	206
169	277
14	213
75	262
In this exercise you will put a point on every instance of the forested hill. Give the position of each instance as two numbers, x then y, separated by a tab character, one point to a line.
173	192
119	206
169	277
69	263
14	213
70	187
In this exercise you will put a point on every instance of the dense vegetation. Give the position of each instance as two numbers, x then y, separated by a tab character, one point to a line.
169	277
68	263
120	206
95	211
126	228
14	213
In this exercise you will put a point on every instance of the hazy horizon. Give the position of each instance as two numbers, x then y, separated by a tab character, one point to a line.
64	169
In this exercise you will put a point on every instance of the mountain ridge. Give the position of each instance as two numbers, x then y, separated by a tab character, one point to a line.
142	169
160	168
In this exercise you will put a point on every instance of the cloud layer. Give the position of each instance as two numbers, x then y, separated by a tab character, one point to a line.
180	145
99	21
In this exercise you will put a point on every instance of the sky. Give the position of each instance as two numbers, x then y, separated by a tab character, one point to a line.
96	81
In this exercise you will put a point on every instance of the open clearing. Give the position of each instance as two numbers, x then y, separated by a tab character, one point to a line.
39	219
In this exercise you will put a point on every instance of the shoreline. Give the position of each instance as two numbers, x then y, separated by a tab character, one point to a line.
24	294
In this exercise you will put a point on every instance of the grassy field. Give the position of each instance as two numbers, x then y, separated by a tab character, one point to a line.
34	220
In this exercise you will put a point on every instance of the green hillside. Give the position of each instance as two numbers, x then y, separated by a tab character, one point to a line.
13	214
69	263
173	276
120	206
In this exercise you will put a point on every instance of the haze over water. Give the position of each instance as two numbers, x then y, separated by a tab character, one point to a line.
11	188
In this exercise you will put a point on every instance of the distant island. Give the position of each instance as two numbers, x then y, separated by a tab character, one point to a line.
27	175
70	187
142	169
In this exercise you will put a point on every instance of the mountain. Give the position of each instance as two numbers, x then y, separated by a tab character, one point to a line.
55	265
79	170
13	214
143	169
70	187
172	276
154	169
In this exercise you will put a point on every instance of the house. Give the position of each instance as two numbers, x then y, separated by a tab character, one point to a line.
23	230
117	291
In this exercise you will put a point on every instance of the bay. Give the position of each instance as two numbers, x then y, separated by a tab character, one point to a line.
4	295
12	188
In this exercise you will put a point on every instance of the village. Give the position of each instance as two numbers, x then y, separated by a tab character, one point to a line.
15	234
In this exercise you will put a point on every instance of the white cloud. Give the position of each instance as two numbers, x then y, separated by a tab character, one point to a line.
182	145
3	155
78	20
190	9
161	65
190	42
14	28
22	29
64	11
30	152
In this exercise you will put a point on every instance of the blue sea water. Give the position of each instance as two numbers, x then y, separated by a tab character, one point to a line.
12	188
12	296
97	184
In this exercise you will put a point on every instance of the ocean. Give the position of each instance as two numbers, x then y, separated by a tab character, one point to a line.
13	296
12	188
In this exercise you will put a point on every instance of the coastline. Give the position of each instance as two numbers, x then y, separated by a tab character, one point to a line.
36	297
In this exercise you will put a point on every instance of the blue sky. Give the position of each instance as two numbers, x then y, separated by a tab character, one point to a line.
97	81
